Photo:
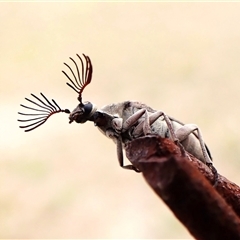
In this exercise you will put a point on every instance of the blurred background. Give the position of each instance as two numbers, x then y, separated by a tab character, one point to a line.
63	181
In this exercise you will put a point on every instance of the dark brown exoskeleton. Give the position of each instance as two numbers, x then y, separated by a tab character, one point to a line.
122	122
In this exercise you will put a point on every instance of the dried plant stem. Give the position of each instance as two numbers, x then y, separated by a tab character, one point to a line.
185	184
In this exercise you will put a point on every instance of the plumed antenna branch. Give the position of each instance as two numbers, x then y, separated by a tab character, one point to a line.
42	110
79	80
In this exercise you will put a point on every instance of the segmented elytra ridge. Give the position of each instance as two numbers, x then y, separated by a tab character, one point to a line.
44	108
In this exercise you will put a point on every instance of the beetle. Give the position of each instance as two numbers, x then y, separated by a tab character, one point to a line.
121	122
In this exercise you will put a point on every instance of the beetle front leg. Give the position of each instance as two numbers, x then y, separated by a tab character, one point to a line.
120	156
118	140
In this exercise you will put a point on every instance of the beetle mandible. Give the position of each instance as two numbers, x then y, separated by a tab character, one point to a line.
122	122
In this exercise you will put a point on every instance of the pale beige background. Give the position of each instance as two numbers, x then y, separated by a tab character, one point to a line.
63	181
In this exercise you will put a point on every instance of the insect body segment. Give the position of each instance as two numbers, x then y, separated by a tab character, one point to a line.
121	122
139	120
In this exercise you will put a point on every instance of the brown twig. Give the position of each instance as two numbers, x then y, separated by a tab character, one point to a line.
185	185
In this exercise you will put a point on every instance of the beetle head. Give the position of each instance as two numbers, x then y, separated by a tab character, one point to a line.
78	81
82	113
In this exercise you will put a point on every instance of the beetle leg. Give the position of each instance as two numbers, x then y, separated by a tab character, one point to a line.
116	137
146	124
140	128
132	120
183	133
144	127
111	134
169	124
120	156
117	124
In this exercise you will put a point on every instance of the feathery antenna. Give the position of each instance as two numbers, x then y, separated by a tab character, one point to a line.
80	80
44	110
